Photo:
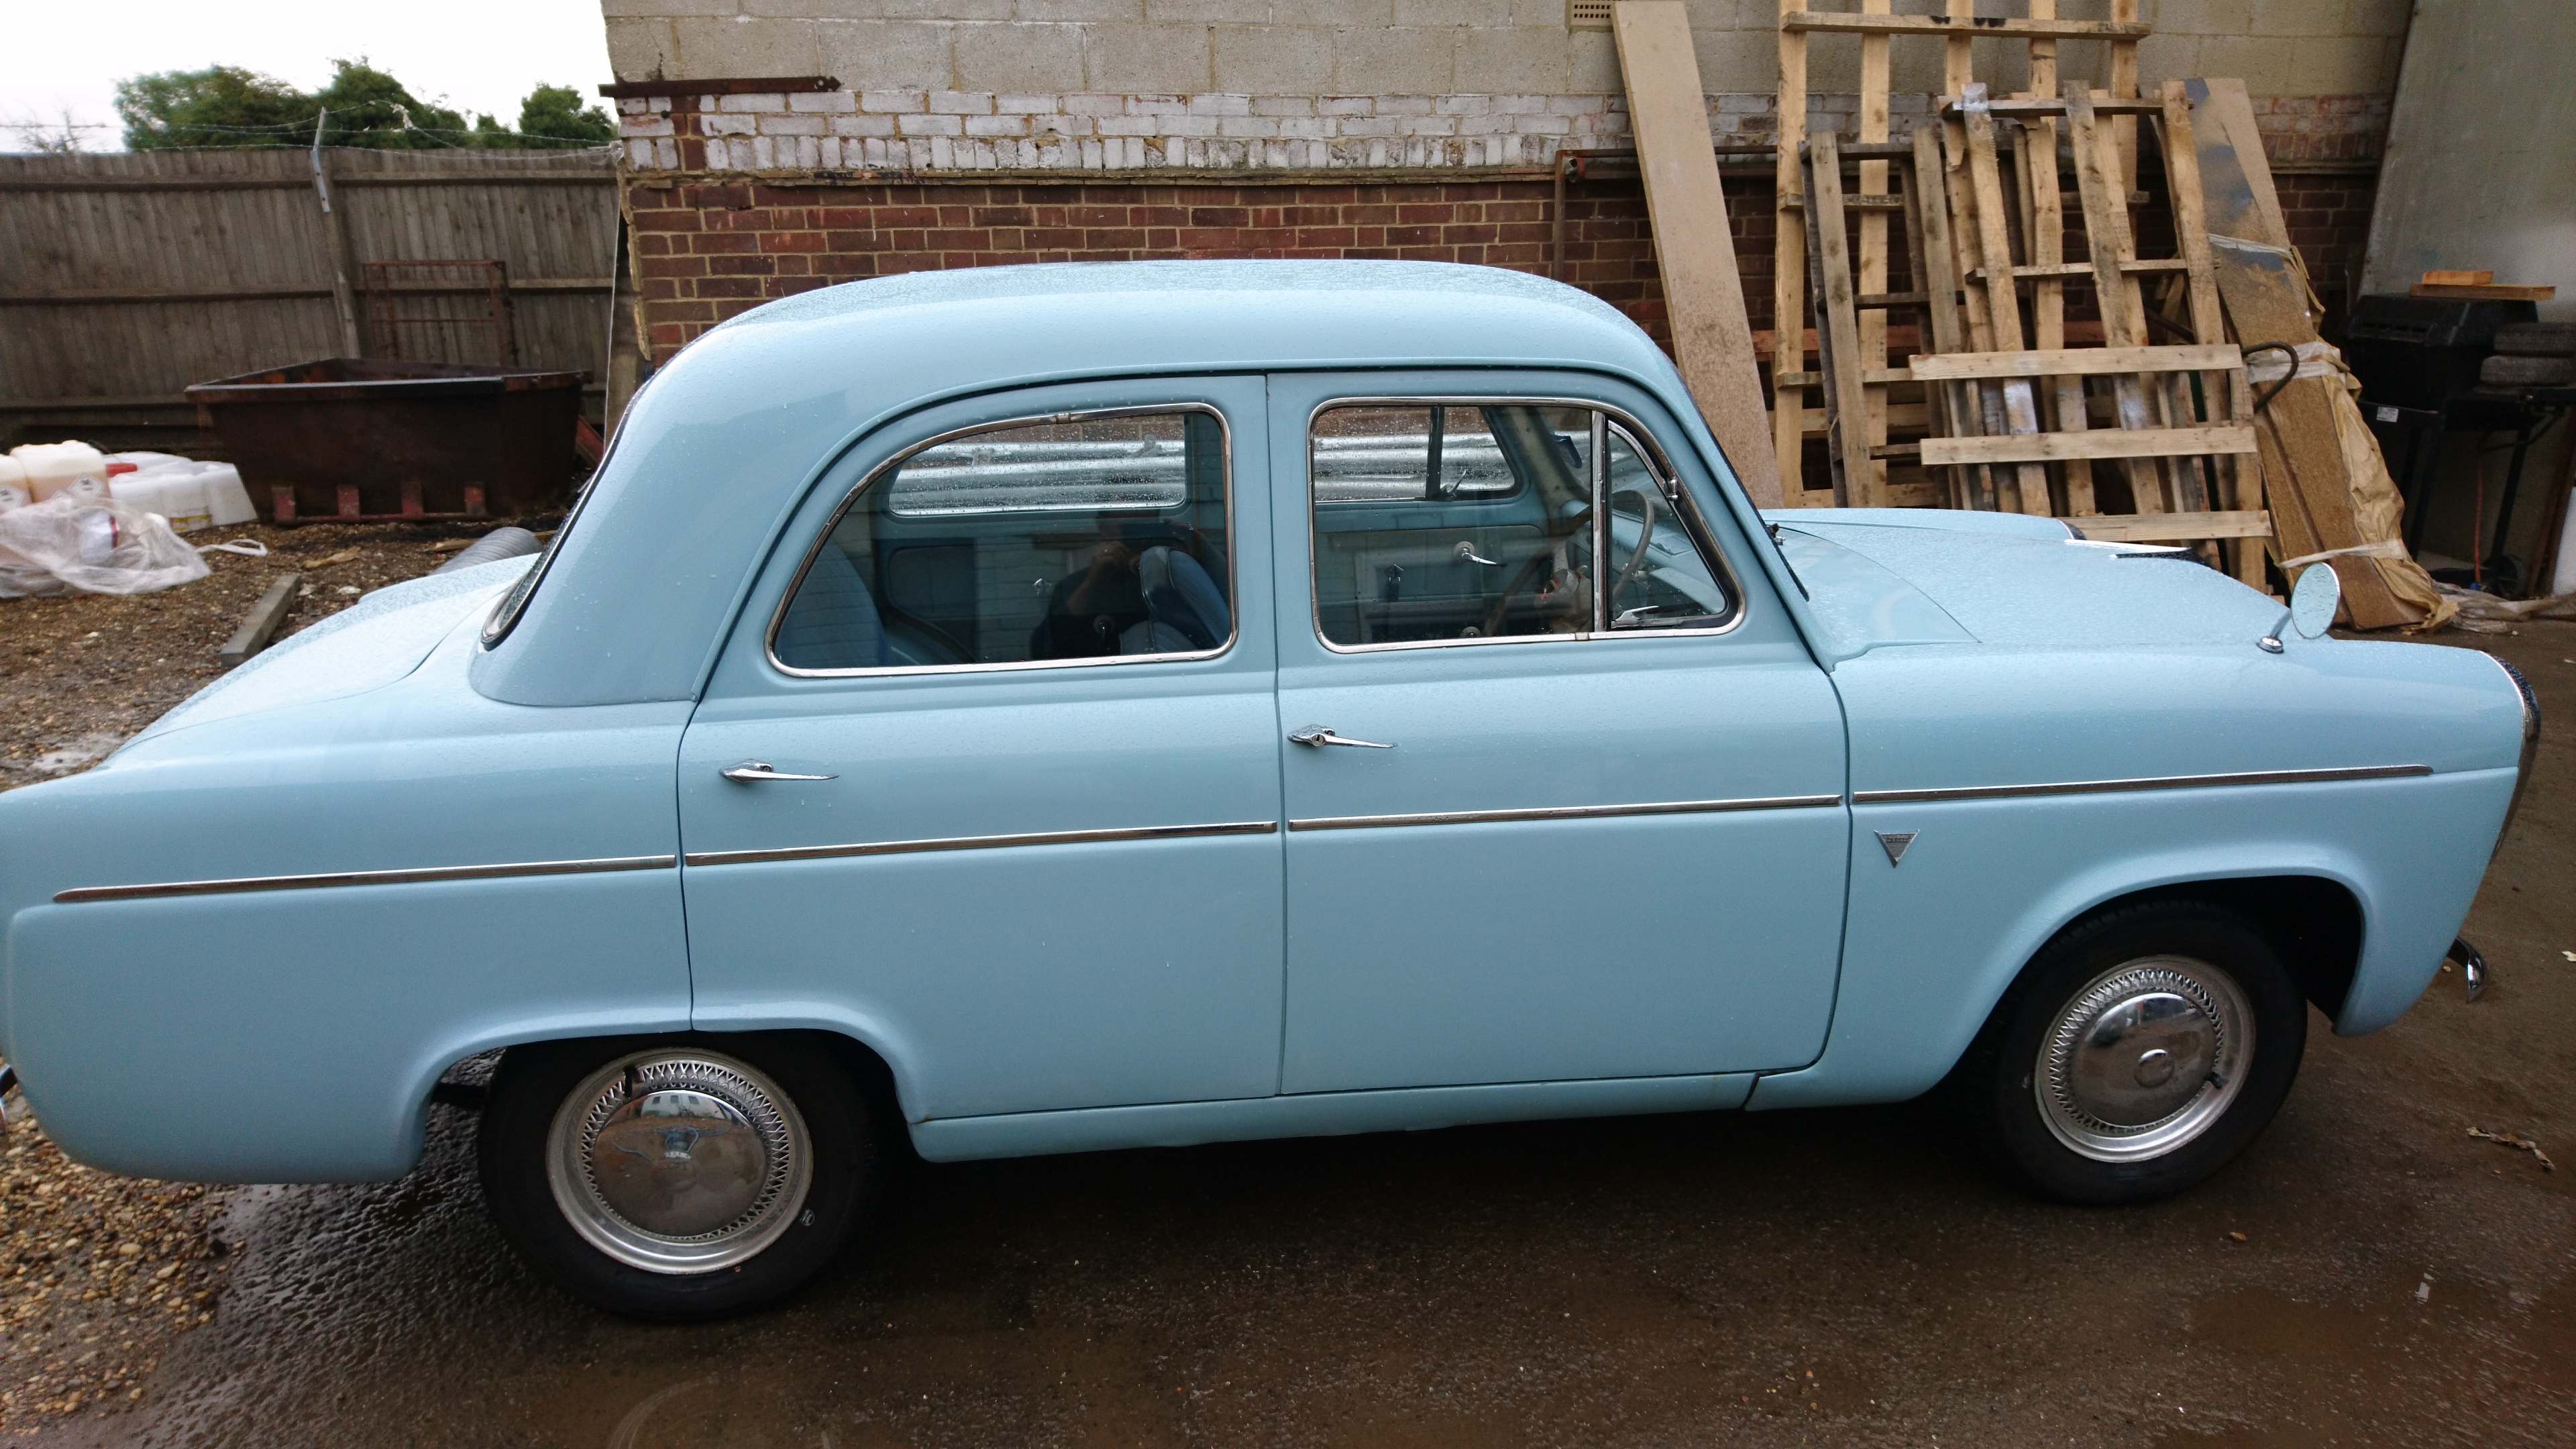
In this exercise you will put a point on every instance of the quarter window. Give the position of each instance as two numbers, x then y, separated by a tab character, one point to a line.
1462	521
1098	536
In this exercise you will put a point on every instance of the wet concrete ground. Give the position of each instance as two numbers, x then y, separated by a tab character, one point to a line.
1829	1277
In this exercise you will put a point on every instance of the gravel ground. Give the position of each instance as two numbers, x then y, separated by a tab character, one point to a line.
101	1272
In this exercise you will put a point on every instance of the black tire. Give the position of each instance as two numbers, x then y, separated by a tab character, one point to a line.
2033	1113
796	1229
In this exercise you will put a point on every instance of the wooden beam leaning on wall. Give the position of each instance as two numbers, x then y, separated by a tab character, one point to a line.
2322	478
1694	246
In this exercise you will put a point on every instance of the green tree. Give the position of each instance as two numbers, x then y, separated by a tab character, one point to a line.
370	108
222	105
226	105
553	116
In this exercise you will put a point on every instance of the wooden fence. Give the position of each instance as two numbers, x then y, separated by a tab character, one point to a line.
124	278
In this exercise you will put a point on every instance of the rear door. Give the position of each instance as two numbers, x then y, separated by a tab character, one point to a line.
1563	786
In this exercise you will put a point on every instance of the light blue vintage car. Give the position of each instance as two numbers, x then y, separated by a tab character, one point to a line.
1049	708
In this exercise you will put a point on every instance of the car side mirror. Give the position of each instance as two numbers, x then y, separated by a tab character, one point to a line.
2314	599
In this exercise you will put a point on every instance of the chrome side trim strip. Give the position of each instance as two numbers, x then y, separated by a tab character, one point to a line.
2161	782
982	842
363	877
1567	812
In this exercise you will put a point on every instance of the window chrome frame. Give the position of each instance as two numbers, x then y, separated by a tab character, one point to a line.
1605	417
887	469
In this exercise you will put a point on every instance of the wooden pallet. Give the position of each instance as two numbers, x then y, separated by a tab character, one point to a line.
1864	469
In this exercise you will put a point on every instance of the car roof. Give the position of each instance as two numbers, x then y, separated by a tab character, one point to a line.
714	455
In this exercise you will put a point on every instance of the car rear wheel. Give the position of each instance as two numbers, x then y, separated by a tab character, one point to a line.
2141	1051
676	1178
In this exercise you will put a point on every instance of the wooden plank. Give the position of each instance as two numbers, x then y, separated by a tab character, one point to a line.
2440	278
1789	259
2003	304
2047	234
2176	527
1845	388
2134	267
2499	292
2106	238
2076	362
1822	22
1935	264
2030	107
261	624
1871	273
1694	246
2033	448
2239	486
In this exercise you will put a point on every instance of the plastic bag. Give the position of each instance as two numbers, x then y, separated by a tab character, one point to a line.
95	545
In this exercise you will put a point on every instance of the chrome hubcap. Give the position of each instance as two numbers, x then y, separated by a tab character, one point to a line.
679	1162
2144	1058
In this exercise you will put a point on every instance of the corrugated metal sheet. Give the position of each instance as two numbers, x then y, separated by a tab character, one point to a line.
124	278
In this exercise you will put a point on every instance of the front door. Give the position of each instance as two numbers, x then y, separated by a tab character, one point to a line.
1563	787
987	777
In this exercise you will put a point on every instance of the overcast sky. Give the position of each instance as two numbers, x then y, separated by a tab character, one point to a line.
474	55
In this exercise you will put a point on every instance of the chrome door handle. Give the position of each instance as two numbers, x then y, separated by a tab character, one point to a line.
1466	553
751	770
1319	736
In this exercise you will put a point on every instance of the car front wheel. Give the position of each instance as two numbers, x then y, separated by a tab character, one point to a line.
676	1178
2140	1052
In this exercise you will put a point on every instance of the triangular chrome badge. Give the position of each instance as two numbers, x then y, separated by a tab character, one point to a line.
1894	843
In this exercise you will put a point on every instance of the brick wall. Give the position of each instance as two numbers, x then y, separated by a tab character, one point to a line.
706	250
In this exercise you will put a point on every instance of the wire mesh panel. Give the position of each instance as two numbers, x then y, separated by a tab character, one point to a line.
441	311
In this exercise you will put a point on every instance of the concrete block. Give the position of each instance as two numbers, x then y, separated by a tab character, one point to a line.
639	153
823	103
764	153
1346	105
2334	66
1063	126
2165	57
785	125
2298	18
1356	126
1726	64
828	153
641	47
1018	56
1455	13
1010	104
918	125
1337	13
871	55
1462	105
1158	105
1487	125
1385	61
2194	17
631	106
711	47
2383	18
961	103
1219	103
893	102
863	125
625	9
716	123
2262	62
666	155
754	102
1406	105
1185	125
809	152
1283	105
1155	58
997	126
1427	125
1071	11
1247	127
1254	60
1306	128
1129	125
646	126
1213	12
1093	105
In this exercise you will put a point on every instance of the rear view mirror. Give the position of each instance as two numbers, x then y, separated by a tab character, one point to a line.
2314	599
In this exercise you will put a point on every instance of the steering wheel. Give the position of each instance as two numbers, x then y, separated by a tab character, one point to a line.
1637	558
